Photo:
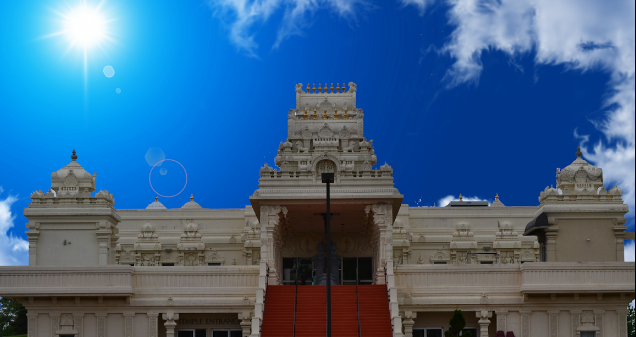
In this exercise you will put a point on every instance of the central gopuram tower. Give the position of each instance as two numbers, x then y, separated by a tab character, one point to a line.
325	135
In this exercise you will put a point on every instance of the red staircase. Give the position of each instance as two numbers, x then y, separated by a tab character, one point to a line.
311	316
278	319
374	311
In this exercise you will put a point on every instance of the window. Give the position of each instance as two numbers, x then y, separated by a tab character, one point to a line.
191	333
428	332
214	264
168	264
439	262
486	262
473	331
227	333
588	334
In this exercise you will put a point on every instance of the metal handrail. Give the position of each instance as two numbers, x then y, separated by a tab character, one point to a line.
358	304
260	328
295	301
388	296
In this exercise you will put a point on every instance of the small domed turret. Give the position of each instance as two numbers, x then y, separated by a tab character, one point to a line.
72	179
191	204
580	175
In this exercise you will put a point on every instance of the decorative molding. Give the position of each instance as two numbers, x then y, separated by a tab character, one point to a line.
78	324
525	323
55	324
32	327
101	324
128	322
153	324
554	323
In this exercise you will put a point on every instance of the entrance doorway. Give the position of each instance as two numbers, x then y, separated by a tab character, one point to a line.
350	269
192	333
358	269
213	333
298	269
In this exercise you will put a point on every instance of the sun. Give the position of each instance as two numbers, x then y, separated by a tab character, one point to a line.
84	25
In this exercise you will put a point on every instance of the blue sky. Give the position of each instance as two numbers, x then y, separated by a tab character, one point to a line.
471	97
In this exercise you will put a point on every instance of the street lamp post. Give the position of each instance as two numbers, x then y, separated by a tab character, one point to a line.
327	178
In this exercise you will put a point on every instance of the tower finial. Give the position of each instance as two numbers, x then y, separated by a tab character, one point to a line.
578	152
156	198
191	197
74	156
497	196
460	197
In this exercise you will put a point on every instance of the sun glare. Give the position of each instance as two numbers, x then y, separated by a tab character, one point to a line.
84	25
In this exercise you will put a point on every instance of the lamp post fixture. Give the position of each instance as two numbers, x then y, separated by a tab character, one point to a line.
327	178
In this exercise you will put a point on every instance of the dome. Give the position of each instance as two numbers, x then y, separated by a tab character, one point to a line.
191	204
156	204
72	179
579	175
497	202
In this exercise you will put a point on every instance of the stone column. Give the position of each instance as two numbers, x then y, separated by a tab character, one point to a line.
33	236
502	320
246	323
55	323
575	316
622	323
525	322
598	318
553	323
101	324
550	238
128	324
103	233
153	324
408	323
619	231
32	327
484	322
270	221
170	323
78	323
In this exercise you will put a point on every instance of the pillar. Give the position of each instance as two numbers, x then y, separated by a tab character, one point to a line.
598	318
408	323
575	316
246	323
502	320
553	323
525	322
78	324
55	322
153	324
101	324
32	321
484	322
622	323
128	324
170	323
550	238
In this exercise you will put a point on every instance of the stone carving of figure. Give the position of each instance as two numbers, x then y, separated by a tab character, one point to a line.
301	148
349	148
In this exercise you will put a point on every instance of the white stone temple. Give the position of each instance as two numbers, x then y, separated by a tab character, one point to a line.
549	270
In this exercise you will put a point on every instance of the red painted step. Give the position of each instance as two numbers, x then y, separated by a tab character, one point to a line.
311	316
278	318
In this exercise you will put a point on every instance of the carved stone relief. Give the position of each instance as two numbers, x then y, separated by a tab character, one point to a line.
101	326
525	325
554	324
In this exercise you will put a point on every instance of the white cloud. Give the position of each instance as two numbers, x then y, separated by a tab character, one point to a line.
242	15
447	199
629	250
13	250
579	34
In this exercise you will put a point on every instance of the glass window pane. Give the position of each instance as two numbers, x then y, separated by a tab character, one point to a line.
473	331
236	333
220	333
588	334
436	333
418	333
182	333
349	265
200	333
365	268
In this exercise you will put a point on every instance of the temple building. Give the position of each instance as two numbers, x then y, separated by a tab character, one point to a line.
549	270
